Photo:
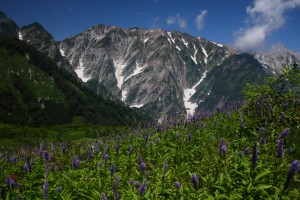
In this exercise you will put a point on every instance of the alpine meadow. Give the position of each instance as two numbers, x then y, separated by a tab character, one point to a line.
148	113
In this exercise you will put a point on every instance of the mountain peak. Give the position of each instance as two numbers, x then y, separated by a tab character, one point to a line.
8	26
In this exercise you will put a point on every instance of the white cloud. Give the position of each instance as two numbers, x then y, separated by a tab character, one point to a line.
265	17
177	19
200	20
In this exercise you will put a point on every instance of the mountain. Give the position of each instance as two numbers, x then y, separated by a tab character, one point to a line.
161	72
277	58
35	91
36	35
8	26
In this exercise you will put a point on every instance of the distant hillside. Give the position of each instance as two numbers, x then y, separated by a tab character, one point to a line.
35	91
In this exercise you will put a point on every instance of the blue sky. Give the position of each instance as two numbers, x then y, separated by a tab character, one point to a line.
244	24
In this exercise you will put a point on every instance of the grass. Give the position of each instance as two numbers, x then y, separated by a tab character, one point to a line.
218	154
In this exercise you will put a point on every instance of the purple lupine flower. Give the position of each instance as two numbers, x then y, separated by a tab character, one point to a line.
242	122
76	162
131	181
195	181
10	181
45	187
280	149
255	155
59	189
295	166
146	137
89	153
223	147
136	184
131	148
100	143
103	197
143	167
189	137
116	195
107	148
177	185
163	177
52	167
63	148
117	149
46	155
240	153
19	186
26	168
165	166
282	117
261	130
13	159
202	125
112	169
96	151
140	158
246	151
59	166
143	188
263	139
105	157
284	133
42	147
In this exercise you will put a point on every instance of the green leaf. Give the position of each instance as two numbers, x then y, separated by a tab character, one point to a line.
221	188
262	187
249	188
264	173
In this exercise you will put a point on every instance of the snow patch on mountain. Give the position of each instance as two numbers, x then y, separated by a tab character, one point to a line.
137	70
205	53
185	43
194	57
62	52
20	36
178	48
80	72
170	35
137	105
146	40
119	66
220	45
188	93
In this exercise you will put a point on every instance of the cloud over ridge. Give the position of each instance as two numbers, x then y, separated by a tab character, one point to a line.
265	17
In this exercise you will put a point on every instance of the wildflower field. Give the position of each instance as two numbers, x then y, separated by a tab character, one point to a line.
242	150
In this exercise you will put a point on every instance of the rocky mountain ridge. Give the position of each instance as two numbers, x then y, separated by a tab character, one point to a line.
160	71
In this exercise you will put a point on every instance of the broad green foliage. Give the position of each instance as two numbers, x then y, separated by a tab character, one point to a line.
240	151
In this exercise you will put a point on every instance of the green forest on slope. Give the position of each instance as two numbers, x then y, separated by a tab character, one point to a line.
34	91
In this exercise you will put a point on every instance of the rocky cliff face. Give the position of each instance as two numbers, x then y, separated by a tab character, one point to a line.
160	71
276	59
36	35
153	69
